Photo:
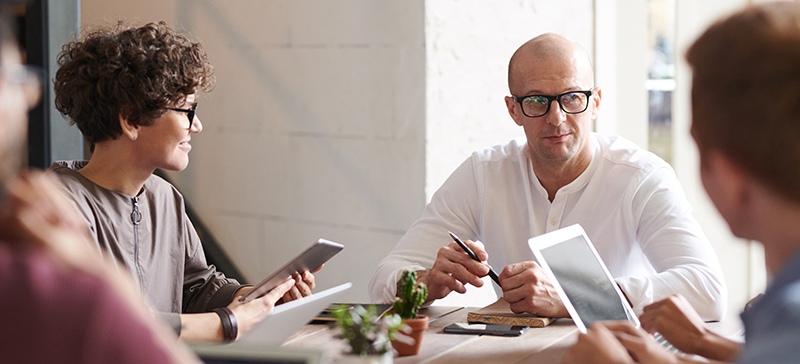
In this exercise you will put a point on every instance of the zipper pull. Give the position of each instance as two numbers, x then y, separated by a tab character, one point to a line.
136	215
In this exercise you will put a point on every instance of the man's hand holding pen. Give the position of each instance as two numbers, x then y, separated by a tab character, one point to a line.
453	269
525	285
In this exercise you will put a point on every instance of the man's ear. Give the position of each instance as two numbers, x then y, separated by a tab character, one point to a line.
512	106
597	96
129	130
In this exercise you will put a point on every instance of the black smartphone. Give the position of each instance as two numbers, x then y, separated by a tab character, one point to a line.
485	329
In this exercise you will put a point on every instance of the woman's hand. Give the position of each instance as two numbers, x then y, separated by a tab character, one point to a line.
597	345
677	321
641	345
303	285
250	313
618	342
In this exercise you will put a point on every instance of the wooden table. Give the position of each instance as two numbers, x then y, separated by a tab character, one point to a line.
540	345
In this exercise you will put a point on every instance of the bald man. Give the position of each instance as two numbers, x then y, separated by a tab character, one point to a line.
627	200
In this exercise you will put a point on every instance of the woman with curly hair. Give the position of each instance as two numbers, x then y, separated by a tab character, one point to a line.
133	94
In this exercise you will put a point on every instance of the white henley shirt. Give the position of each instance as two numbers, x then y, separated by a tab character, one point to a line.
628	201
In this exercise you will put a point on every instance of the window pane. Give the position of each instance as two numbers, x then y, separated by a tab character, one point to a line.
660	74
660	128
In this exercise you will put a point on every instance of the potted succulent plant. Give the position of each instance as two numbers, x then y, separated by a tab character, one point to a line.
367	333
410	296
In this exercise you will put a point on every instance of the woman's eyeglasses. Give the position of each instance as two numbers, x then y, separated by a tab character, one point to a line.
189	113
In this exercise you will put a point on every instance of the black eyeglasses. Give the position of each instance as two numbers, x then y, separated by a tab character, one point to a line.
573	102
189	113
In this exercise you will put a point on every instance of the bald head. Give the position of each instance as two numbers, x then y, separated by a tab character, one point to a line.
552	48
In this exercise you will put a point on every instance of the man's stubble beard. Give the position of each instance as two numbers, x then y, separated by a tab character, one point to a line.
558	156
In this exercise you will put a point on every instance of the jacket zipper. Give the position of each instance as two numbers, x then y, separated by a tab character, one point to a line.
136	218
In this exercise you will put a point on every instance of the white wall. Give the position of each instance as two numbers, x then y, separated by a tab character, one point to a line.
742	261
620	39
469	43
315	129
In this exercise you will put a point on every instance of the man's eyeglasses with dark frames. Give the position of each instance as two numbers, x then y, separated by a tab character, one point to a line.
573	102
189	113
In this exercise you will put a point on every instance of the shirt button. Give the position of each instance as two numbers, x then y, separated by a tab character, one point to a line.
552	221
541	193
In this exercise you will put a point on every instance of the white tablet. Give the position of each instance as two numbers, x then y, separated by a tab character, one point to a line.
261	343
580	277
289	317
311	259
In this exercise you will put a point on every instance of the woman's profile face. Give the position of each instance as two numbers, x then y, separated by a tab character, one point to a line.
165	143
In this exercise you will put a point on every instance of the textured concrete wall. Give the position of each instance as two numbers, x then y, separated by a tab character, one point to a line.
315	129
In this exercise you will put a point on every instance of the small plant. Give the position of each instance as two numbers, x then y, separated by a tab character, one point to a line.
364	329
409	295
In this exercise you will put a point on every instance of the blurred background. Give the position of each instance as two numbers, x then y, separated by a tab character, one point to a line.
340	118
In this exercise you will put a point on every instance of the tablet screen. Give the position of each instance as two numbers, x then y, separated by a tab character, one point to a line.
310	259
584	281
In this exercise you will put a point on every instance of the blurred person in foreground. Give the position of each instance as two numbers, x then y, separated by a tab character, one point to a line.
746	123
133	93
62	301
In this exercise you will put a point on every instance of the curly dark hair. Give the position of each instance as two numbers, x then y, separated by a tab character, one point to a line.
131	72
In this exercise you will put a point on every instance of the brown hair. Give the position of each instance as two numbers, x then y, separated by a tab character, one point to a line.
132	72
746	93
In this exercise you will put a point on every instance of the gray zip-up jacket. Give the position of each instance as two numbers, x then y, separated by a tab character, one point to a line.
150	236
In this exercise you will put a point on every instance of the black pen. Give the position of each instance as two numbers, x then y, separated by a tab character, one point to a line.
474	257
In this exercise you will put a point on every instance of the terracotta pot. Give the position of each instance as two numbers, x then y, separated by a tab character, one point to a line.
418	326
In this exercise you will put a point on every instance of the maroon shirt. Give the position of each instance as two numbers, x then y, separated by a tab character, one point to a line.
52	314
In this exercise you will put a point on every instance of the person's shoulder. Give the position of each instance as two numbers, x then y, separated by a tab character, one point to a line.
67	170
619	151
162	189
781	303
789	302
72	182
773	326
